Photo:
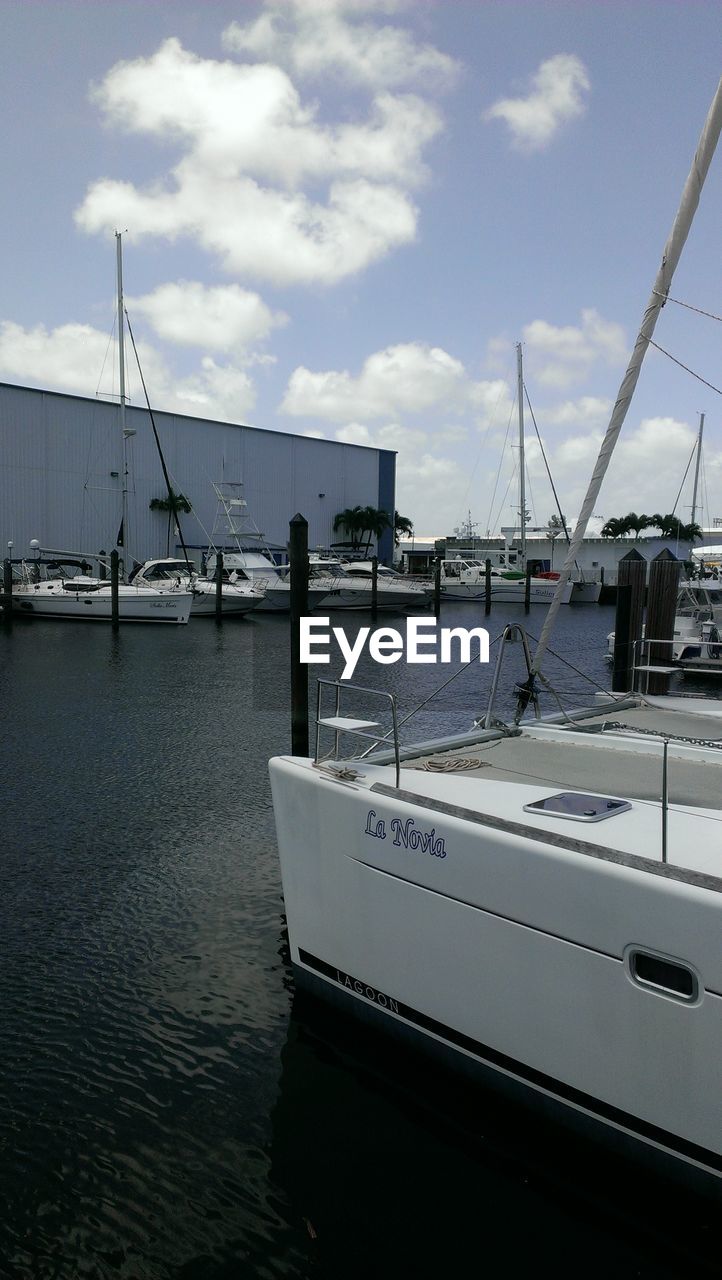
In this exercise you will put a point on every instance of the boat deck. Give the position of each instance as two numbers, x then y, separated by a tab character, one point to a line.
616	754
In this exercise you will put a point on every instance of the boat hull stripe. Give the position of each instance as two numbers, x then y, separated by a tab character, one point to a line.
521	1071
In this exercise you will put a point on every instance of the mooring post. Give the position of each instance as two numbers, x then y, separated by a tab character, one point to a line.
631	581
102	567
527	589
437	587
374	585
487	587
298	555
114	576
664	574
219	586
7	593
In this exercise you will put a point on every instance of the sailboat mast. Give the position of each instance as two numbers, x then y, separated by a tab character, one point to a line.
660	289
522	489
123	539
696	469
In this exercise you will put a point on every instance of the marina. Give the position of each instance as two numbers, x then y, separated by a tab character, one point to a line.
170	1104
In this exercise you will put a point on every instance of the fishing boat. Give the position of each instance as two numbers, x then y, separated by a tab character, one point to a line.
246	554
171	576
538	901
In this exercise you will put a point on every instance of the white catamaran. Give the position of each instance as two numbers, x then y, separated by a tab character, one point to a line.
545	903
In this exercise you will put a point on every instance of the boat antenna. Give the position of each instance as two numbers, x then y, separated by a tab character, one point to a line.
166	477
670	258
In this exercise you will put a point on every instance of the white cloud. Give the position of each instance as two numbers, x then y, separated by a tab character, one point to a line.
317	40
224	318
556	97
250	144
591	411
410	377
71	358
561	355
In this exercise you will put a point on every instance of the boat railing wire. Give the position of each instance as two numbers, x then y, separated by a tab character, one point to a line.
547	687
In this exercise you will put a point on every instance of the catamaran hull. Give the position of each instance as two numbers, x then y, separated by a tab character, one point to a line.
97	607
511	592
510	957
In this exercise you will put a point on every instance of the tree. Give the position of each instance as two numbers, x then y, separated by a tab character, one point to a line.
556	524
362	524
614	528
174	504
350	520
402	526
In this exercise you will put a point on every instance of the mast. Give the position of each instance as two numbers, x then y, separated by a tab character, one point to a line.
663	280
696	469
522	491
123	532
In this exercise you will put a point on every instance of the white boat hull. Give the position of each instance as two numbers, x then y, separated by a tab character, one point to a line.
359	597
509	952
134	605
507	591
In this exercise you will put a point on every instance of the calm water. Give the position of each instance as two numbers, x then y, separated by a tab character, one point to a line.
168	1108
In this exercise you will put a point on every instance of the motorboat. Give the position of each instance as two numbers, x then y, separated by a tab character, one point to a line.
259	571
169	575
62	589
537	901
464	578
393	590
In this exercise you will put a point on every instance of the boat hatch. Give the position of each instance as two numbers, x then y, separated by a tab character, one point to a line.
578	806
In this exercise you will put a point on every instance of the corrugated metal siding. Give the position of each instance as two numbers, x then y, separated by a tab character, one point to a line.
58	453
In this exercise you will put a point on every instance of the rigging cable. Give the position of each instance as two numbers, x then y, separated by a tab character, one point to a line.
160	451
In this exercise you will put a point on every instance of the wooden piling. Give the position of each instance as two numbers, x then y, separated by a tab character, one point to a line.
664	575
114	577
487	587
374	585
7	593
102	567
527	589
437	587
219	586
298	555
631	582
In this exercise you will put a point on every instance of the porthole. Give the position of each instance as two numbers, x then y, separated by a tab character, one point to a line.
659	973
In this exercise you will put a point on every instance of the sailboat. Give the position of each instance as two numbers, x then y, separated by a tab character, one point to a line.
542	906
58	585
463	575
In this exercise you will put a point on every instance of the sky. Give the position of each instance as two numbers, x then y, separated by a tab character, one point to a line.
341	216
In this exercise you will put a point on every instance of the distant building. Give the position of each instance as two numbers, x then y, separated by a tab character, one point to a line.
62	476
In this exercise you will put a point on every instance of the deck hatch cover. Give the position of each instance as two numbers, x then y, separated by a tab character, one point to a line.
578	806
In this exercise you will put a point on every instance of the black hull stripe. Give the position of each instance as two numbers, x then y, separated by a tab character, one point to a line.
529	1075
665	869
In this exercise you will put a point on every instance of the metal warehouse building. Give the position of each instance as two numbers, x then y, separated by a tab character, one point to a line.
61	476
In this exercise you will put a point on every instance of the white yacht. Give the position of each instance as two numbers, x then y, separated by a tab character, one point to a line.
464	578
538	901
62	589
171	576
353	590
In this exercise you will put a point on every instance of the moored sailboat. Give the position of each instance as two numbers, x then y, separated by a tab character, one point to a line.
539	901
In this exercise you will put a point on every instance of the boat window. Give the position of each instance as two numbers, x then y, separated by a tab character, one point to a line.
665	976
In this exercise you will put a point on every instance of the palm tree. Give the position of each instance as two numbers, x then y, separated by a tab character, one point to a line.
350	520
614	528
374	522
174	503
402	525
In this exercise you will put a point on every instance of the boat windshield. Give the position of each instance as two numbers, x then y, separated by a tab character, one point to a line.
166	572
